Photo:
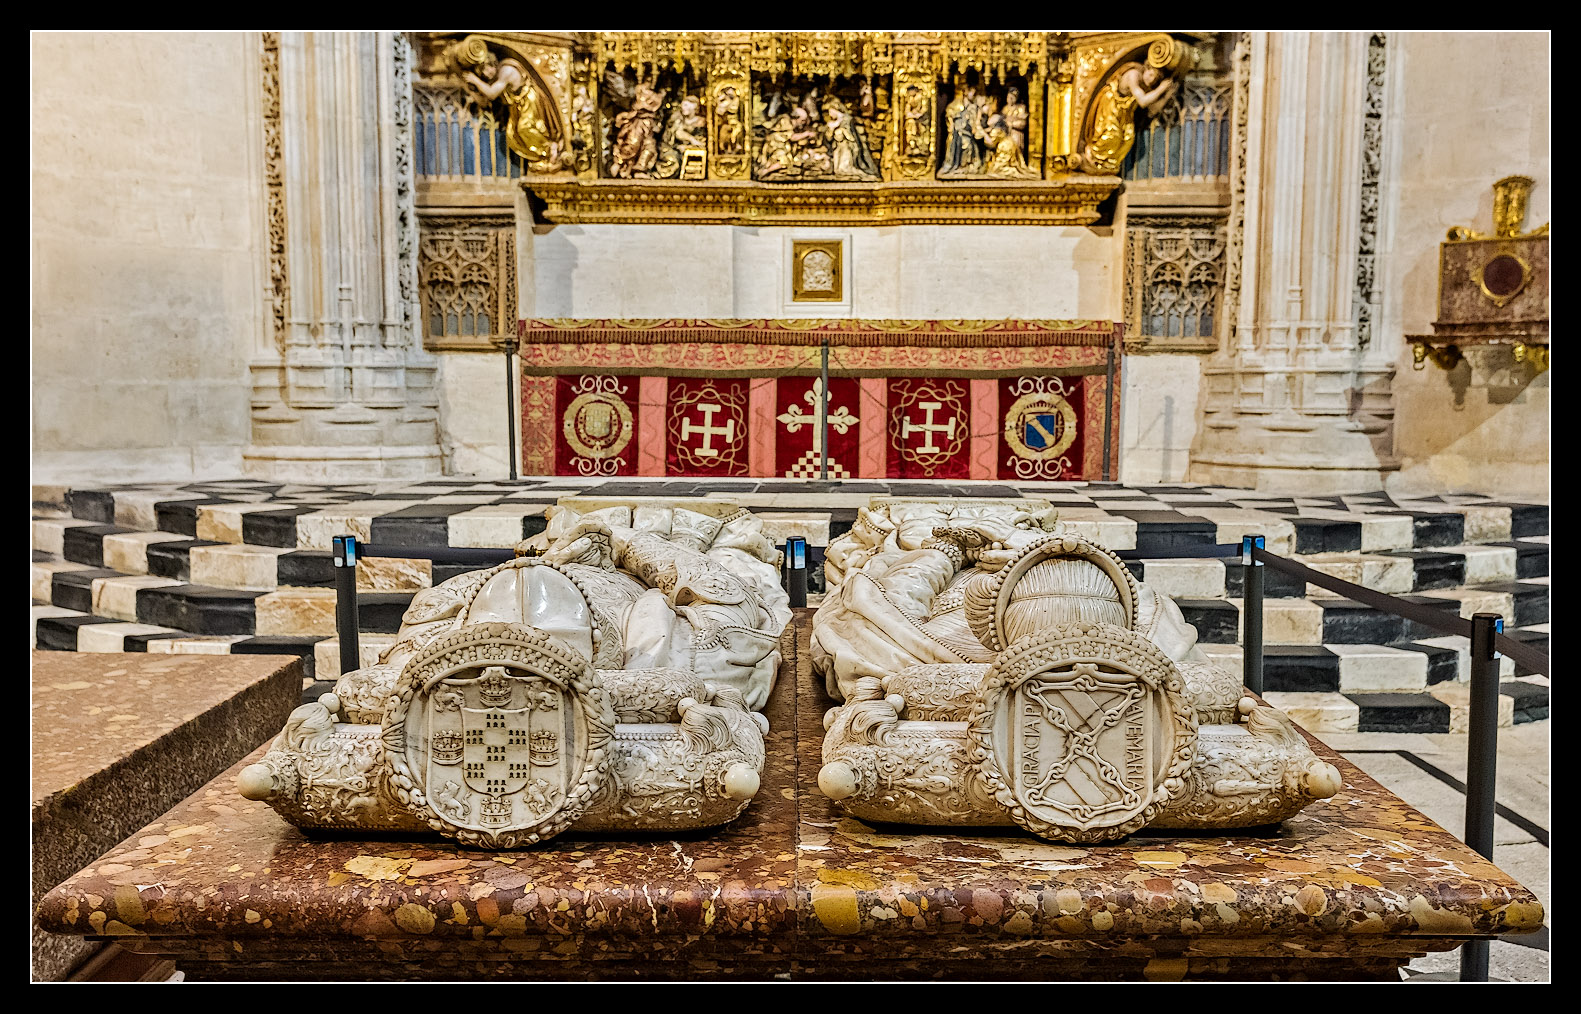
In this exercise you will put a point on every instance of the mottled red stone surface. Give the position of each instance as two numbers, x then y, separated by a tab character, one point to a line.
117	739
1353	887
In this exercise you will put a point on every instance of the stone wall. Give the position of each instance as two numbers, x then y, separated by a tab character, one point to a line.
1468	109
146	231
726	271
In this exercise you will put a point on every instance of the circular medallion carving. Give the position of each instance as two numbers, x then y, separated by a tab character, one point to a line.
1040	425
497	736
598	424
1084	733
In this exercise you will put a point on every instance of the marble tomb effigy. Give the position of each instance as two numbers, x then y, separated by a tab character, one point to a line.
997	668
614	682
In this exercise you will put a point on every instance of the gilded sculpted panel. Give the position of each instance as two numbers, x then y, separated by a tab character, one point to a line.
802	111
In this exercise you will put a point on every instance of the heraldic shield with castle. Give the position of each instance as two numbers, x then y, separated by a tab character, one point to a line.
996	668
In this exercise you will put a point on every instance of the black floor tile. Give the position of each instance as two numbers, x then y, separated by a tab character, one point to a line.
305	568
1443	664
1415	630
181	516
277	644
198	609
73	589
1326	535
1217	621
273	528
1531	700
173	559
59	633
139	642
91	504
85	543
1433	570
1347	622
381	612
1276	583
1300	668
1429	530
1400	713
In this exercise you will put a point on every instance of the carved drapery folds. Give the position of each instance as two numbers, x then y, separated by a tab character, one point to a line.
810	109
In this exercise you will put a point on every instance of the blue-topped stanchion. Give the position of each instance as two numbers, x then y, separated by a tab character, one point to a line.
796	570
345	558
1252	615
1482	755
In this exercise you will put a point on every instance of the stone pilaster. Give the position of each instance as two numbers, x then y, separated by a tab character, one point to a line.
344	390
1292	399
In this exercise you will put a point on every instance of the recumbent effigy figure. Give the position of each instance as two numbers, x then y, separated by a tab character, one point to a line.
998	668
611	683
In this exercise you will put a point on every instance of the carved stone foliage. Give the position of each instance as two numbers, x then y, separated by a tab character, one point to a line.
1367	294
1094	716
274	187
1236	237
1174	279
467	277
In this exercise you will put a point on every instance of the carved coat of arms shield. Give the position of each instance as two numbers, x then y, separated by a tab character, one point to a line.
497	735
1083	733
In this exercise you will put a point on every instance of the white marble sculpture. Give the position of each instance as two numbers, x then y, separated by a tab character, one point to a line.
998	668
611	683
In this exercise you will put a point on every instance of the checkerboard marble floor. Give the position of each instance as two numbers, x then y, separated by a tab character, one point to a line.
243	566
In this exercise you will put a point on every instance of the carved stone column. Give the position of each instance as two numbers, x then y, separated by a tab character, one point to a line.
346	391
1295	399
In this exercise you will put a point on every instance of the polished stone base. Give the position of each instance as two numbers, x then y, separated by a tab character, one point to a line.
120	738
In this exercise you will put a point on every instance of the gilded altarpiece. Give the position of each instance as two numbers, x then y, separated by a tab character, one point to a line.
804	127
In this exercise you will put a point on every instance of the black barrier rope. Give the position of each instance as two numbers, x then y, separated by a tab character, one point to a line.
1428	616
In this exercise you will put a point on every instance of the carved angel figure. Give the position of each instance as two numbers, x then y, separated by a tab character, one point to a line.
1134	87
998	668
514	699
530	130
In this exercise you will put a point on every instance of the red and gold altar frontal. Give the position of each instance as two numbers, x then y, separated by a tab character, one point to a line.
924	399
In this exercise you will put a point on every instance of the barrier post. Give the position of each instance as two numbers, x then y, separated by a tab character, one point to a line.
796	570
1482	754
345	558
1252	615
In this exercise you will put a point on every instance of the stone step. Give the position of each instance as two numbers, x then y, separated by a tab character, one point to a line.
204	610
1330	619
466	513
1443	708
